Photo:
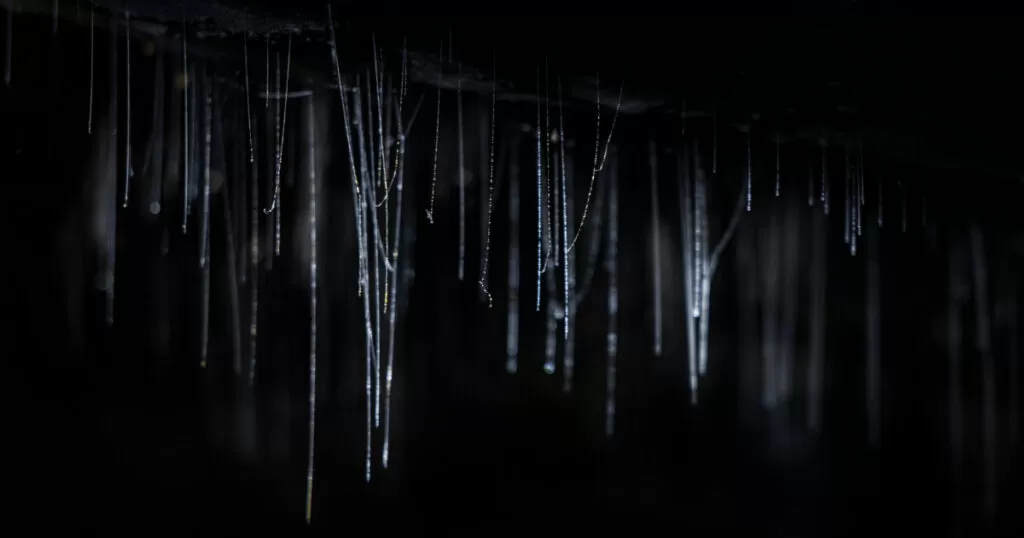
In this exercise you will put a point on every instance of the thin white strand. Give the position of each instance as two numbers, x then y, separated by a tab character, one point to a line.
611	267
92	61
204	234
656	245
311	133
437	134
512	328
490	192
184	124
540	195
128	101
393	313
565	217
462	180
248	108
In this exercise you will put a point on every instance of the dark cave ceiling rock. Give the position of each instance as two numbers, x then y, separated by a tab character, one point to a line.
939	95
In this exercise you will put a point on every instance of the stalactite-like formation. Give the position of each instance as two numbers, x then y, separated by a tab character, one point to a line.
204	232
571	294
109	269
395	288
128	104
652	159
186	82
983	342
312	164
818	323
565	217
708	271
540	195
437	135
484	265
684	184
462	181
9	49
92	58
611	255
512	328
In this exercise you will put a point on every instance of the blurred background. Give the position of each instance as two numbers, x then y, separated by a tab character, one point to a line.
823	208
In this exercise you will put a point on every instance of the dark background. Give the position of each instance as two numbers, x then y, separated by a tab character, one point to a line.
118	429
